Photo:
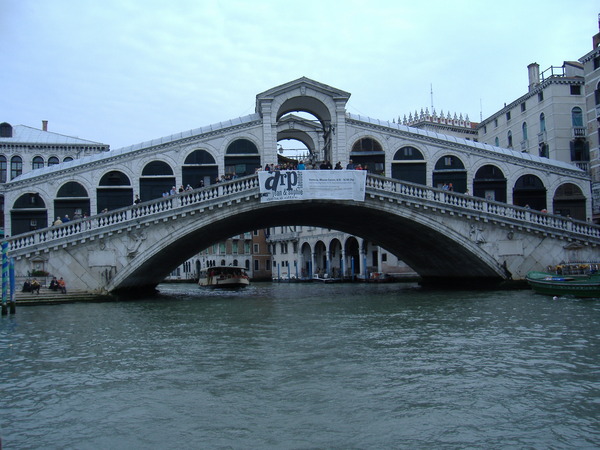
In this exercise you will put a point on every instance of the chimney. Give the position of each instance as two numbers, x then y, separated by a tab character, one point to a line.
596	38
534	75
44	125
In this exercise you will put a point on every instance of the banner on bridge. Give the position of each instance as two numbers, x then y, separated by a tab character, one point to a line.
312	185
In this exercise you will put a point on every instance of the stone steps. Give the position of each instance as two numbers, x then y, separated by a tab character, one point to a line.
47	296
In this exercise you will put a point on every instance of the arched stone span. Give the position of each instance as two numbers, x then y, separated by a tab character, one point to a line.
435	252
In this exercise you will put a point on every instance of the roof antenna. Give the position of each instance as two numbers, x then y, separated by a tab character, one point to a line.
480	110
431	87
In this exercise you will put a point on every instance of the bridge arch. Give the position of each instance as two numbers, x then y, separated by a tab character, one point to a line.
29	213
568	200
490	183
114	191
367	150
199	168
409	165
72	199
529	191
241	157
449	168
156	178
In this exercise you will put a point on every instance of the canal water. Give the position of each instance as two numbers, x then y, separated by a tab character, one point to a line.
303	366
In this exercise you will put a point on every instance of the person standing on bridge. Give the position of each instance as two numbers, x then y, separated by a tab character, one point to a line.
350	165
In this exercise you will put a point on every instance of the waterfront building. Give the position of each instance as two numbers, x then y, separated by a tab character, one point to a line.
547	121
591	71
304	252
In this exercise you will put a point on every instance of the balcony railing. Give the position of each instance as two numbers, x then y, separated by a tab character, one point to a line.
579	132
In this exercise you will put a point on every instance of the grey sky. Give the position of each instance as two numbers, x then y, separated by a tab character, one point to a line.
126	71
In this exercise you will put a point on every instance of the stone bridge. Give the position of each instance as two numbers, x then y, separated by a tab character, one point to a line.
441	235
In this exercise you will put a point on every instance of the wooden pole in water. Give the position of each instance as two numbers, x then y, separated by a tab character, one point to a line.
4	277
13	300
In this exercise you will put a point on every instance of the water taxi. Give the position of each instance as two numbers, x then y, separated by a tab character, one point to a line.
224	277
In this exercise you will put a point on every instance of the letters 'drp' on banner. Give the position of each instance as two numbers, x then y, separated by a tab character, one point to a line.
312	185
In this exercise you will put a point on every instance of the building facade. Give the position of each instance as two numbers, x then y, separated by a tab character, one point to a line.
591	71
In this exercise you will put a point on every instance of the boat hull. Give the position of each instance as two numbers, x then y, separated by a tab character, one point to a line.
228	283
224	277
552	284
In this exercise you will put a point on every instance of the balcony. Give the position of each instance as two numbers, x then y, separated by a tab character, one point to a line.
583	165
579	132
542	137
525	145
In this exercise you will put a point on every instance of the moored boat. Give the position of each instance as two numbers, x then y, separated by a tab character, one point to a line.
224	277
587	285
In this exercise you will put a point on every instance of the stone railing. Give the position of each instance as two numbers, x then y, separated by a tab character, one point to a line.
122	218
514	215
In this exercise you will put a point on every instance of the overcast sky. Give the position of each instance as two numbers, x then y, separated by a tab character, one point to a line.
122	72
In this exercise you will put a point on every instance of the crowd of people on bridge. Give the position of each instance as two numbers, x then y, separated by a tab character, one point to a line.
305	165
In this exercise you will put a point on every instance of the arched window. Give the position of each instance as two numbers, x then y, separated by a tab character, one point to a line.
542	123
509	138
5	129
369	154
52	161
67	159
37	163
241	158
16	167
577	117
72	199
114	191
597	95
524	131
409	165
157	178
199	169
367	145
3	168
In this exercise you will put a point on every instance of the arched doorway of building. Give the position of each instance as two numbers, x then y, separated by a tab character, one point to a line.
569	201
335	258
369	153
307	263
241	158
320	267
529	192
352	257
72	199
409	165
156	179
28	213
199	169
114	191
490	183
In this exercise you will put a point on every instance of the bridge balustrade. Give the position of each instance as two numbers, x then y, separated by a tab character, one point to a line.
519	216
107	220
416	193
